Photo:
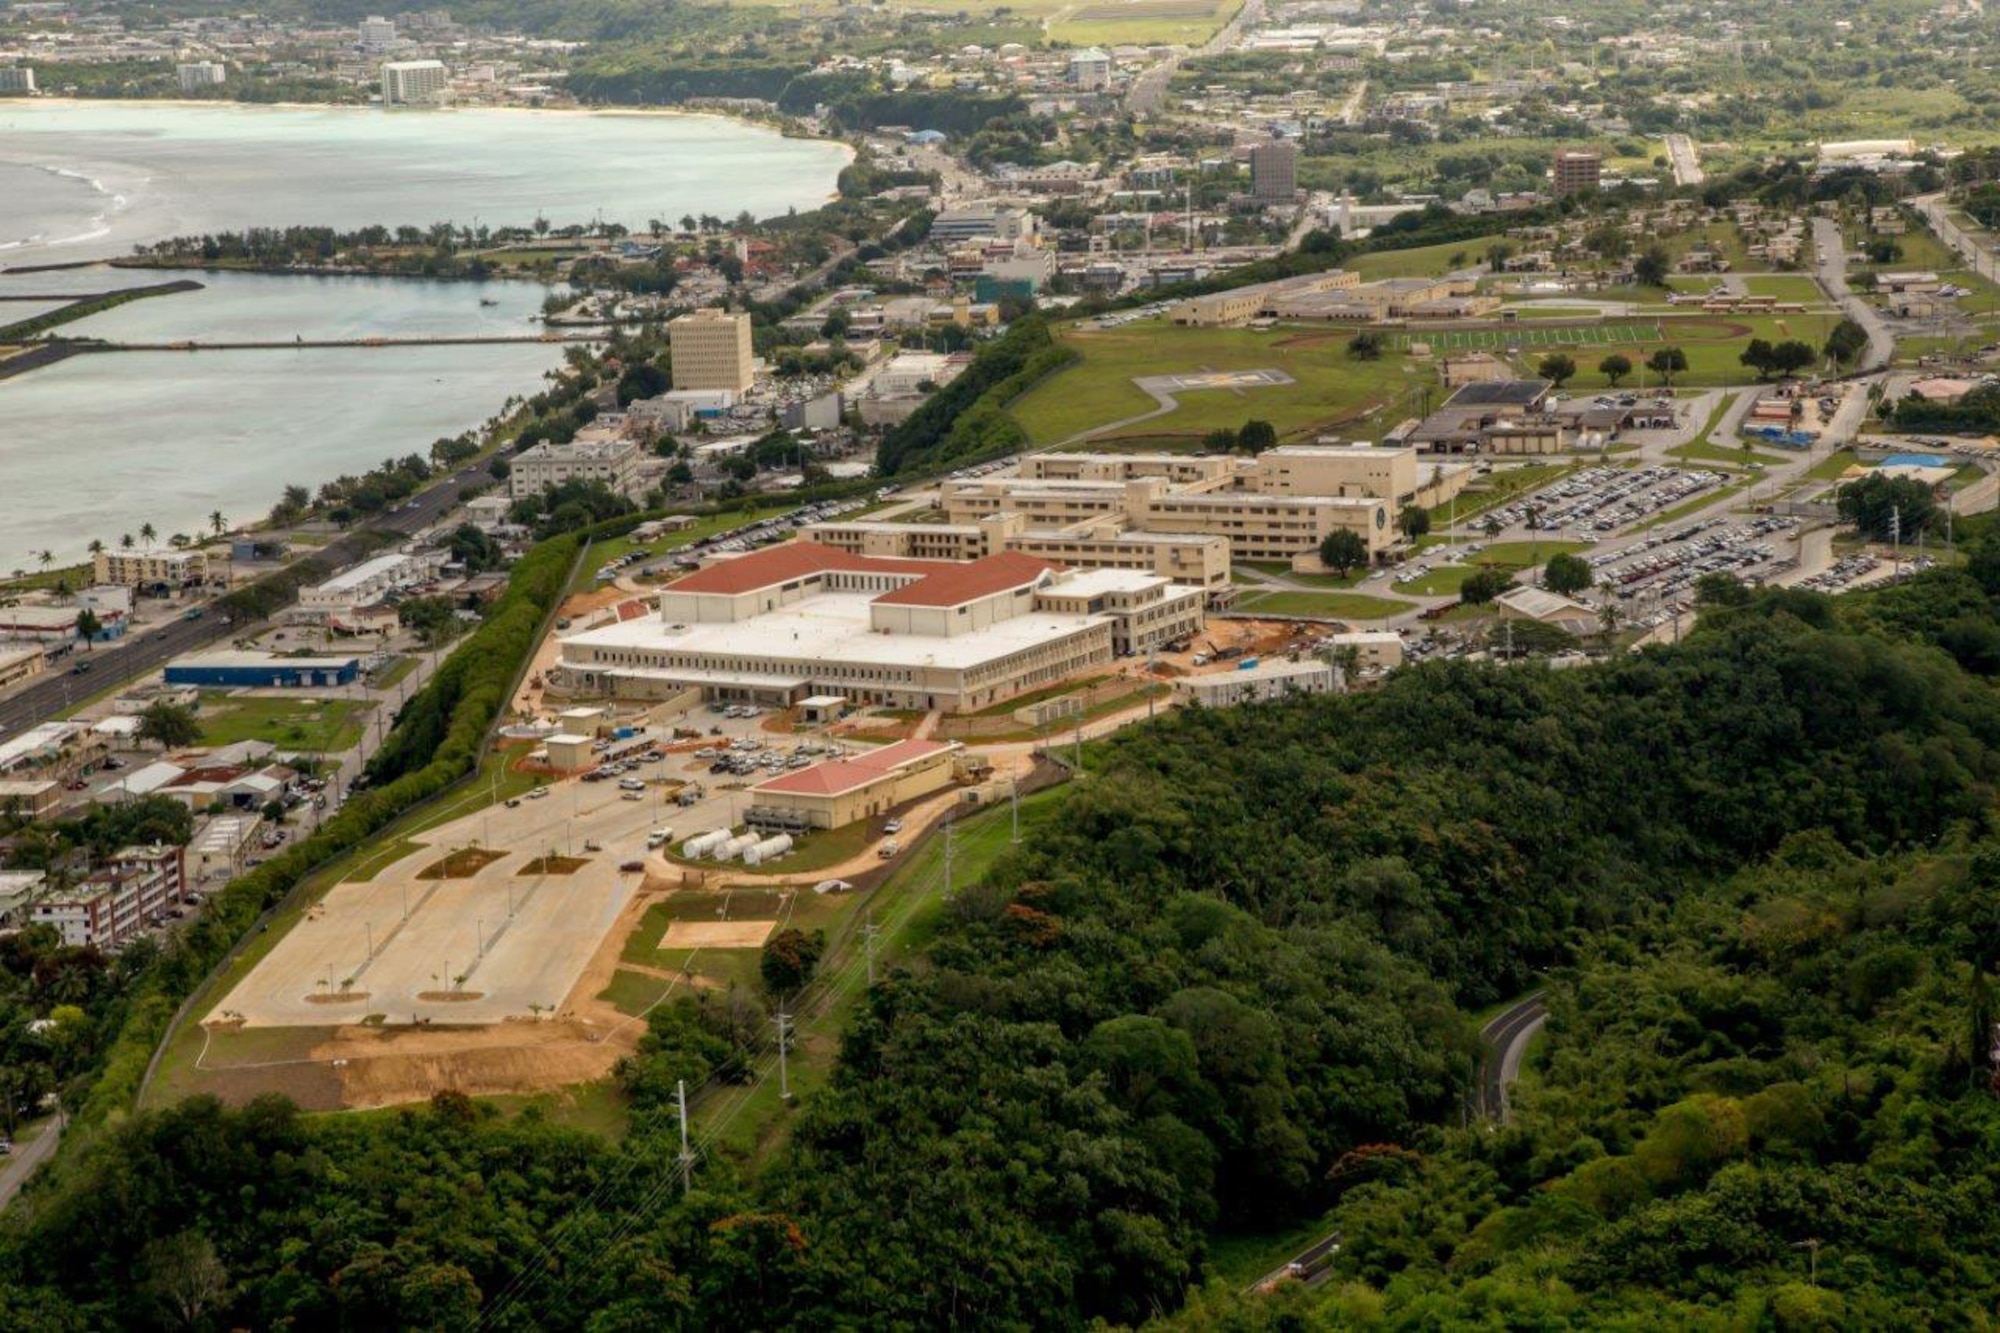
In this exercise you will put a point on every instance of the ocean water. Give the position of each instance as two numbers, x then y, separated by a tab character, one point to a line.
99	444
92	179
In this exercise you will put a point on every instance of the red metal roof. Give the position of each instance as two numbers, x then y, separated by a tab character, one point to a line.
972	580
839	775
791	560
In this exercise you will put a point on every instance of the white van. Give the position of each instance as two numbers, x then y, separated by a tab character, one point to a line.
659	837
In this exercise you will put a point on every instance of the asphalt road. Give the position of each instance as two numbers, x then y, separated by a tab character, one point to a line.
122	663
1506	1039
1832	248
1686	161
21	1164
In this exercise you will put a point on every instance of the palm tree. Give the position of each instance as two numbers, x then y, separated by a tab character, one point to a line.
125	540
45	558
96	545
215	522
147	532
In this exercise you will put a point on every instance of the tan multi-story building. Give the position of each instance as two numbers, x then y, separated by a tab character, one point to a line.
711	350
158	567
1199	560
611	459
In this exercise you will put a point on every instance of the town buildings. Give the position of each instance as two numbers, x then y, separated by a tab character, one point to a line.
711	350
839	791
17	79
787	622
1256	684
335	602
228	669
110	907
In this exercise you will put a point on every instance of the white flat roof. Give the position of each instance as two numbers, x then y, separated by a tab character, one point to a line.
567	738
363	572
836	628
1087	581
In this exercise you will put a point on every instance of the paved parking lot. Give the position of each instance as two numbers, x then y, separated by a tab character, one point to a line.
1603	499
513	944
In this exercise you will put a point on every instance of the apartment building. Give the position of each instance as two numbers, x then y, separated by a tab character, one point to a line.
201	74
155	567
17	79
336	600
115	905
414	82
613	459
711	350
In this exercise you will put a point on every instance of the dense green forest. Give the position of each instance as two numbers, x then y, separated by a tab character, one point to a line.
1227	988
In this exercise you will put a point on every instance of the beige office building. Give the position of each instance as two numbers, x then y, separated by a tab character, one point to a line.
155	568
711	350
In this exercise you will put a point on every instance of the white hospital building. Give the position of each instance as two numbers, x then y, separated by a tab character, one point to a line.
798	620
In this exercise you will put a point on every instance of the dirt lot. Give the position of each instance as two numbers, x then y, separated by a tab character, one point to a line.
717	934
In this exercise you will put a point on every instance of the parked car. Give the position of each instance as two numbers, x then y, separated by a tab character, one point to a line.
632	867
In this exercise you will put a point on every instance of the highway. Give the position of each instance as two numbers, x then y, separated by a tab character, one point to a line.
1506	1040
119	664
1149	91
1686	161
21	1164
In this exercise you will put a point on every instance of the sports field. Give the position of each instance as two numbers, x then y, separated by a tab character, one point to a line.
1713	344
1532	336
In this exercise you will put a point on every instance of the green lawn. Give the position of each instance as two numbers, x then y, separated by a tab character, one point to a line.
1445	580
1336	605
634	992
1328	390
293	724
1785	287
393	675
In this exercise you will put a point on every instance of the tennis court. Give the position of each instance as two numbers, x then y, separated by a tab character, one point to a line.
1530	335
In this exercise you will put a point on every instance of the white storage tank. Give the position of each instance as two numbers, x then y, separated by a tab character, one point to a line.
703	843
735	847
768	848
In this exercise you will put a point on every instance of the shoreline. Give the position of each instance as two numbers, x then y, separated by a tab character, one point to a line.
648	112
123	224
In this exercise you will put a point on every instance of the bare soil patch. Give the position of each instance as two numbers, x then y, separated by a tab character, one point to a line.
461	864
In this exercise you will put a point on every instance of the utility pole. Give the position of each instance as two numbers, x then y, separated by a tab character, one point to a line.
784	1025
868	933
686	1157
